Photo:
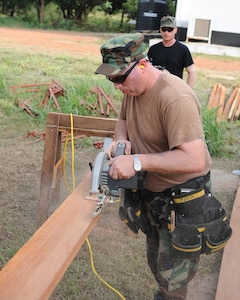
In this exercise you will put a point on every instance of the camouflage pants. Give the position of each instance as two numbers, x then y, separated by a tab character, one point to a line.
172	274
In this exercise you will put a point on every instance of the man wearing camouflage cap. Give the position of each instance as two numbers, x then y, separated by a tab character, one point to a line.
161	127
170	53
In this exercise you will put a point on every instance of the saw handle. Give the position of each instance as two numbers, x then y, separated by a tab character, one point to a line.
120	150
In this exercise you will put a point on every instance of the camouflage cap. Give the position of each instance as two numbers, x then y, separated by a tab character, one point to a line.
168	21
121	50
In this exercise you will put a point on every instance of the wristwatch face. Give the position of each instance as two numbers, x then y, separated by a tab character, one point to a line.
136	163
137	167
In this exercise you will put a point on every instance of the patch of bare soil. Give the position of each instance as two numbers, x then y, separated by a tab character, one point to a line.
80	44
21	161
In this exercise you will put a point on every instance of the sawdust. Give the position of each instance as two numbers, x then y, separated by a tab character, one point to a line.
21	159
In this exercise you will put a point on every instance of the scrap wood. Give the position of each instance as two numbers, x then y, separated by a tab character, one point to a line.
88	105
237	114
104	109
220	103
216	100
229	103
25	87
212	96
51	92
234	106
41	136
53	89
57	88
67	137
98	144
24	105
36	134
100	103
108	99
228	111
216	96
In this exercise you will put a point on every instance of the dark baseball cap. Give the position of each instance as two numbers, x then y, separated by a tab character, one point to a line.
119	51
168	21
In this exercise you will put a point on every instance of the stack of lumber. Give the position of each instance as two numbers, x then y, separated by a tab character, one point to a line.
228	110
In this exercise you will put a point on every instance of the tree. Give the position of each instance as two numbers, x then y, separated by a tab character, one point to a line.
77	10
130	7
172	4
13	7
40	10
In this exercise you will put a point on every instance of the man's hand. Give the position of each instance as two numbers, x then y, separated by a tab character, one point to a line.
121	167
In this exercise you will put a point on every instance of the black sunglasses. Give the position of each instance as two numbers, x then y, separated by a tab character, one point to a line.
169	29
121	78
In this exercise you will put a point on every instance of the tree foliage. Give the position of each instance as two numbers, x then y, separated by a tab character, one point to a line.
76	10
130	7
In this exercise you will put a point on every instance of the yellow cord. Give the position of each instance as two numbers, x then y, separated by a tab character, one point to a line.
73	188
95	272
72	140
64	163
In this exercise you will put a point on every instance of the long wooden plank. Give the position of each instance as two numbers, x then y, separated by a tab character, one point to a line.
229	277
38	266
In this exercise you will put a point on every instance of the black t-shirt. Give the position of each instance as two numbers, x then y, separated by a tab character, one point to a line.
174	58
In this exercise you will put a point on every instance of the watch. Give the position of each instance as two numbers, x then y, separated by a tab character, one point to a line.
137	166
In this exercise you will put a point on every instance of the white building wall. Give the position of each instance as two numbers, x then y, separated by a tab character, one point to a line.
224	15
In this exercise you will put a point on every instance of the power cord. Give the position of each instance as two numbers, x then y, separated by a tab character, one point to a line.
73	188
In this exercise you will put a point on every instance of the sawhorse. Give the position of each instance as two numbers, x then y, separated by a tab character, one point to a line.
57	124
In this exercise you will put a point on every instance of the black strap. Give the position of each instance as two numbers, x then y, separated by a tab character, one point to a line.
191	184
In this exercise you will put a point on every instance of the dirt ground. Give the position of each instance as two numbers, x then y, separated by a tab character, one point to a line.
81	44
21	158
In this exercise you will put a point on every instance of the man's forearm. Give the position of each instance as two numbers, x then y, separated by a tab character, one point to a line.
121	130
191	75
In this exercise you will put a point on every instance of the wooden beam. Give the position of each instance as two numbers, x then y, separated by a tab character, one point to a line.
228	283
52	153
36	269
90	126
57	172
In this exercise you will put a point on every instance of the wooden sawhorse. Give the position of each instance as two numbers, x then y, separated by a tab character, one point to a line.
56	124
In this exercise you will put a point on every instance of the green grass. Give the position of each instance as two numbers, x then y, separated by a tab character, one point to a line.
78	78
75	74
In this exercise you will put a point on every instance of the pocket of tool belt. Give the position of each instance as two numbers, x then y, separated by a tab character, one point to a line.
199	225
131	211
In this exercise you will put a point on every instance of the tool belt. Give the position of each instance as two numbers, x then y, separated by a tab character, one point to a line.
195	218
197	222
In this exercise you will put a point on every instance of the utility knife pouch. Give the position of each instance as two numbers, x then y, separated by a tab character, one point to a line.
201	225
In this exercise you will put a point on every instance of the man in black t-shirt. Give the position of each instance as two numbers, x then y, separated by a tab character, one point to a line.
170	54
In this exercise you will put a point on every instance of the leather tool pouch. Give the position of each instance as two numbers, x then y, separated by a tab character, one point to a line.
200	224
131	211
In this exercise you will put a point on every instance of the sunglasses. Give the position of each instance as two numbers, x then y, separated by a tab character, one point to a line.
169	29
121	78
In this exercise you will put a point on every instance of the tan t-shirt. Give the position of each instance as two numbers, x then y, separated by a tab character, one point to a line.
167	116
